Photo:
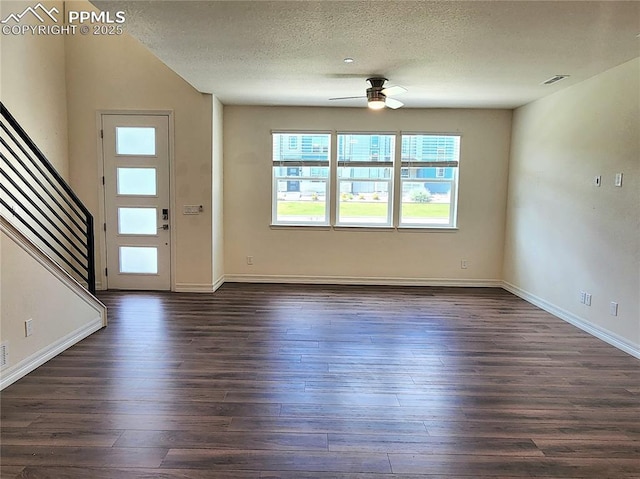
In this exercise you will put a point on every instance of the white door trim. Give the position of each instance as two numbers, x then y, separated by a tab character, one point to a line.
101	277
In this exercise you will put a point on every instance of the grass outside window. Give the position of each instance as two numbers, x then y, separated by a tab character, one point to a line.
363	209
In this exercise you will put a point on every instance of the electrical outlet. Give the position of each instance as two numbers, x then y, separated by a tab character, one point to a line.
249	260
28	327
464	264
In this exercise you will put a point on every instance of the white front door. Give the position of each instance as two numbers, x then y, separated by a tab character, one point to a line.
136	197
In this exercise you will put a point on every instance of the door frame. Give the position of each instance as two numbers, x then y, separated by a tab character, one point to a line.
102	281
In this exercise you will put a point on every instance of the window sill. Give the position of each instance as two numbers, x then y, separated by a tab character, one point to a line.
363	228
400	229
298	227
433	229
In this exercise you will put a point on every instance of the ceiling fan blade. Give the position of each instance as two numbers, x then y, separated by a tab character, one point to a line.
347	97
392	103
394	90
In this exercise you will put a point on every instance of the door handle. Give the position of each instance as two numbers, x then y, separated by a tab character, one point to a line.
164	227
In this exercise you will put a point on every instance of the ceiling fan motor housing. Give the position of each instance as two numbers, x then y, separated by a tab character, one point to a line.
375	92
377	82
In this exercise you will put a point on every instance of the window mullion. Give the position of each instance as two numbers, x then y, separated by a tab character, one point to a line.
453	212
274	199
397	183
333	192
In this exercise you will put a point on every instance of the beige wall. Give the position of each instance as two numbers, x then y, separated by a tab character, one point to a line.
32	85
359	255
118	73
563	233
61	311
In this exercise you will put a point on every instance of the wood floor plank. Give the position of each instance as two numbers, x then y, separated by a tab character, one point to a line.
589	448
136	393
257	460
38	472
10	471
82	456
147	422
481	466
16	418
325	425
164	406
360	399
368	475
59	437
422	444
326	382
517	429
228	440
375	413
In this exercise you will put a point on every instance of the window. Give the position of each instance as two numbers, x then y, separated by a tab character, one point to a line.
361	183
300	178
429	180
365	179
136	181
135	141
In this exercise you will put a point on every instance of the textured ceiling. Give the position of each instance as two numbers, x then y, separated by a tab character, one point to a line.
446	53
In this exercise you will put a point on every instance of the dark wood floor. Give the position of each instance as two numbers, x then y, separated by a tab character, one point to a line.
301	382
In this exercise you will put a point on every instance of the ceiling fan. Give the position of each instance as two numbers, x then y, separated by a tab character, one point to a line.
377	96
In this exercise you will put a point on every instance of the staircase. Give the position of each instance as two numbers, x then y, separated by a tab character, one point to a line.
42	206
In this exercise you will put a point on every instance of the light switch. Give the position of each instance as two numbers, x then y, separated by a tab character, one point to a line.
587	299
191	209
618	180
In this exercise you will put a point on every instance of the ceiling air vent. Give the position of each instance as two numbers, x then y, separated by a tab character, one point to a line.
554	79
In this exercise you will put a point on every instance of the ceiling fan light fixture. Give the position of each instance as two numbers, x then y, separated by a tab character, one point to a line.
376	96
375	99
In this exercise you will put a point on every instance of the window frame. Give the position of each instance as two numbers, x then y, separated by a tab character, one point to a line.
311	164
390	181
396	181
403	164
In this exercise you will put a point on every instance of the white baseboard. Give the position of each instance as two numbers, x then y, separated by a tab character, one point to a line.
194	288
24	367
219	282
293	279
600	333
199	287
